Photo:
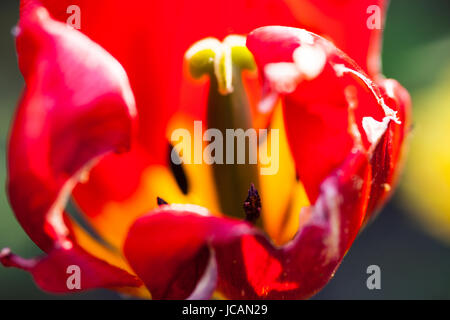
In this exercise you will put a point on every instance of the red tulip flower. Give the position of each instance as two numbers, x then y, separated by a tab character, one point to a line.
100	104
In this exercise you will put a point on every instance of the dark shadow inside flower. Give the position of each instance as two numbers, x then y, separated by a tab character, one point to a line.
178	172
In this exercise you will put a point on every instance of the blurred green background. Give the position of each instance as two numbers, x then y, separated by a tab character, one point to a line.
413	264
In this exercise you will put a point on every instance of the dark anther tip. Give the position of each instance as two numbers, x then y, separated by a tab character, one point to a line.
160	201
252	205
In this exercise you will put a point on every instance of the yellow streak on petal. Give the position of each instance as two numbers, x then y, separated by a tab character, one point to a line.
296	217
282	195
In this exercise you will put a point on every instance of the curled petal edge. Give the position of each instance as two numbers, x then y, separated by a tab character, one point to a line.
356	112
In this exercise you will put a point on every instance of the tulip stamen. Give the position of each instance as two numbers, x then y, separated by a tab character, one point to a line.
252	205
228	109
161	201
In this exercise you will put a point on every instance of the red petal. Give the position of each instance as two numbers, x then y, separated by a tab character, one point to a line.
77	107
326	98
168	248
